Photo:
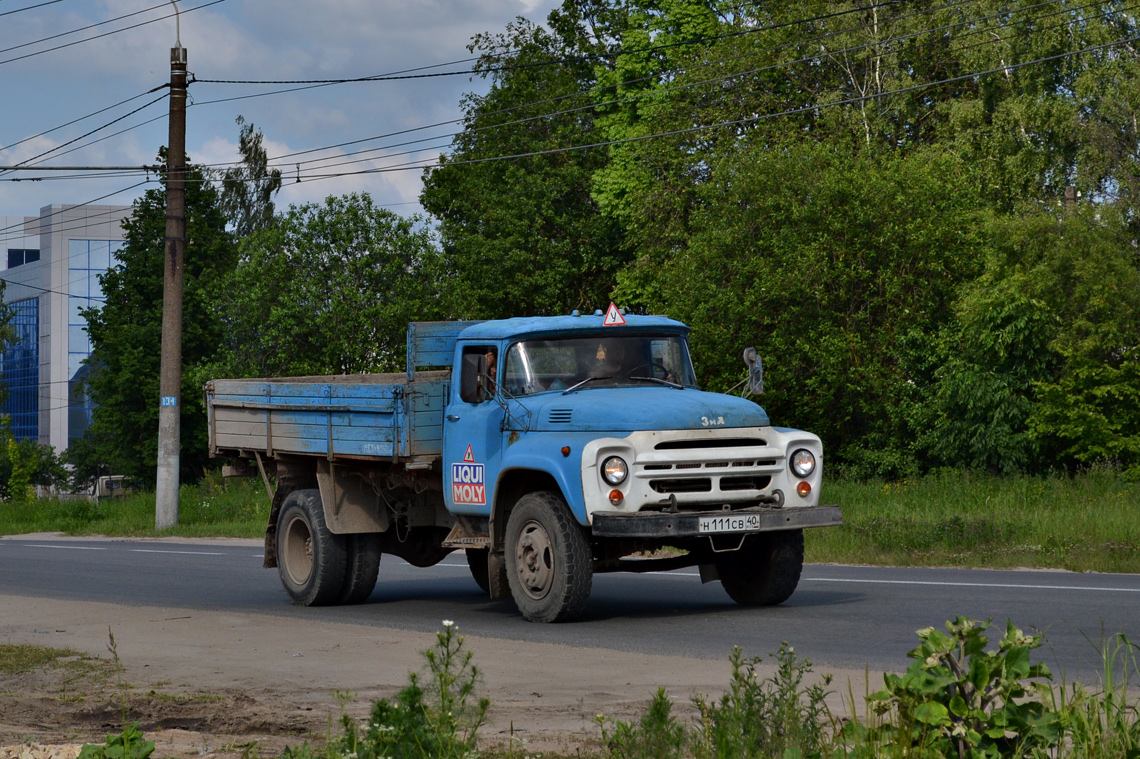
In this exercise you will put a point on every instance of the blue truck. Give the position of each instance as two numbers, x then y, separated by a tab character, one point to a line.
547	448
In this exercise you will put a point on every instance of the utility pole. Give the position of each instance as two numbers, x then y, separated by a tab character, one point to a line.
170	378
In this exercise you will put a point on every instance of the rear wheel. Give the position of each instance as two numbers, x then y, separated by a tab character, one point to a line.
549	564
766	569
477	563
362	564
310	559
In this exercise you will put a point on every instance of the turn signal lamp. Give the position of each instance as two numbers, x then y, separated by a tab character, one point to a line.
803	489
616	497
565	450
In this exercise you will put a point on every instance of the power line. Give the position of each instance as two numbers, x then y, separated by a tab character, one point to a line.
30	7
105	34
418	166
660	90
81	118
85	203
669	88
106	137
558	61
93	131
422	164
826	54
68	226
653	77
580	93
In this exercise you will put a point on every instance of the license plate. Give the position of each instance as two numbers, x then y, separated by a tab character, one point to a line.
729	523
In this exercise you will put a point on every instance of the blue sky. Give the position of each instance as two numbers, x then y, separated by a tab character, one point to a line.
233	39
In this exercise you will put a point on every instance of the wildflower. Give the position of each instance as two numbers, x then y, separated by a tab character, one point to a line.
447	623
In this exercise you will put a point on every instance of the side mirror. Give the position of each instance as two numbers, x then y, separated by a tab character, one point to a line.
755	371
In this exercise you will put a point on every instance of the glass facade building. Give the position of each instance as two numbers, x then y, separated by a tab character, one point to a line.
54	263
20	368
86	260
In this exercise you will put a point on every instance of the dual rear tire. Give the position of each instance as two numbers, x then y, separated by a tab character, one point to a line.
317	567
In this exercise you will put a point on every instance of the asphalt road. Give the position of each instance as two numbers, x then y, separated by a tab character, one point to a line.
840	616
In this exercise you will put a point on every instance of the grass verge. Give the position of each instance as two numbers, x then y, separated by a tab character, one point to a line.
1084	523
214	507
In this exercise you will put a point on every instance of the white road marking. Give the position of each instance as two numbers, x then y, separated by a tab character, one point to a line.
132	550
973	584
189	553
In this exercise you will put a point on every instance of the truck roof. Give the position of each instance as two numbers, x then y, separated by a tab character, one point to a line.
523	326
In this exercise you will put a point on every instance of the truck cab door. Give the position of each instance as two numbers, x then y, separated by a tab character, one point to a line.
472	432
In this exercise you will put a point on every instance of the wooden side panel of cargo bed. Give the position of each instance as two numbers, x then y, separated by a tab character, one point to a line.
333	419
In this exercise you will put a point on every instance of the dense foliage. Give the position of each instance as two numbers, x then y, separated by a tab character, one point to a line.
870	194
327	289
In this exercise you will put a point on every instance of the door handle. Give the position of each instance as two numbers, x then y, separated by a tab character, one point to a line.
452	417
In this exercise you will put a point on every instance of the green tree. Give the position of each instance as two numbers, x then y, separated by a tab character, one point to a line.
126	334
248	188
25	463
524	236
1041	368
329	289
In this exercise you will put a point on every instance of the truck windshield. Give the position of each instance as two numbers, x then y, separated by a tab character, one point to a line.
557	364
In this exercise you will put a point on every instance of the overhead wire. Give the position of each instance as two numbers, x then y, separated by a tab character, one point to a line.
568	59
77	120
653	77
422	164
46	153
581	93
419	165
105	34
30	7
69	206
657	91
285	167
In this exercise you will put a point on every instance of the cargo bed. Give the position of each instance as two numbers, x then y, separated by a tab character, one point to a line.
361	416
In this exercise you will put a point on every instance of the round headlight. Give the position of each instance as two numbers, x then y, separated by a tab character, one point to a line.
803	463
614	470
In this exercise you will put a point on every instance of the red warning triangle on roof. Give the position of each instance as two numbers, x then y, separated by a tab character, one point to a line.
613	317
469	456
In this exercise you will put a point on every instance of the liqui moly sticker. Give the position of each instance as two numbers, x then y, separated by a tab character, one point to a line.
468	485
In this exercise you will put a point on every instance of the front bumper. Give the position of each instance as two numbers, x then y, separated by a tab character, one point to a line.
653	524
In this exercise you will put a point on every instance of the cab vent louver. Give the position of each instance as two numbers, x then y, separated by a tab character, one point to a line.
559	416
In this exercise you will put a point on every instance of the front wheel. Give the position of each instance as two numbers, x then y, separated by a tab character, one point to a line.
310	559
549	564
765	570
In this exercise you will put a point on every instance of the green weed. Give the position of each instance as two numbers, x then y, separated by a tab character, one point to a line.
23	657
436	717
129	743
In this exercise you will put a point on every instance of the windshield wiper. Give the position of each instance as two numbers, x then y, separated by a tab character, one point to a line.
659	381
577	385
